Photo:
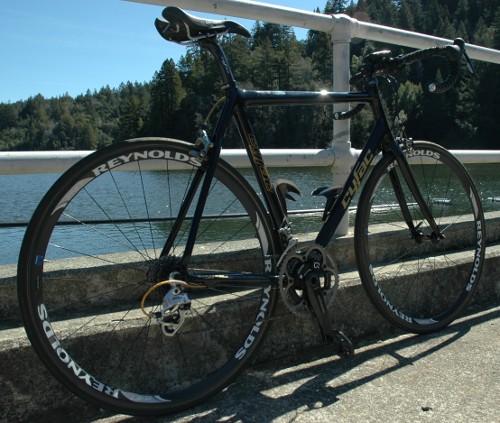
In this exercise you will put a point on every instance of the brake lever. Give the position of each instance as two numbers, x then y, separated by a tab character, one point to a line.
461	44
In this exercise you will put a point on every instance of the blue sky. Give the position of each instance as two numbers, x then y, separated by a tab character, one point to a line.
54	47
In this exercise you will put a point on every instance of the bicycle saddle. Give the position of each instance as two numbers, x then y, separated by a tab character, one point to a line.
181	27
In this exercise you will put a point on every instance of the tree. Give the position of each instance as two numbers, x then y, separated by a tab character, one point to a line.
319	48
276	51
238	53
408	10
383	11
496	29
335	6
178	98
264	71
132	117
64	131
36	119
8	117
166	96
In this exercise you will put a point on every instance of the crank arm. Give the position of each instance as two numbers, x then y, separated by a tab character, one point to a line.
316	300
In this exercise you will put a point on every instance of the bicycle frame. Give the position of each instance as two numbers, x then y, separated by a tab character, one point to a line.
381	140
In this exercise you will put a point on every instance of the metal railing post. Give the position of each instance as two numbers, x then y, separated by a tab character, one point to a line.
341	144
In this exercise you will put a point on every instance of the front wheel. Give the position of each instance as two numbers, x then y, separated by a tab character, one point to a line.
94	262
420	283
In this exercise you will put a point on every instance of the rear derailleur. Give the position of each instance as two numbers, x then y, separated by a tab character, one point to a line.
173	310
175	303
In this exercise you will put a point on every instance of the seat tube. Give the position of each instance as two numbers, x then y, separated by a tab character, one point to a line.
213	46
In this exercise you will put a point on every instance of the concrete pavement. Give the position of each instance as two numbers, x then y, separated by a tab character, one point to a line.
451	376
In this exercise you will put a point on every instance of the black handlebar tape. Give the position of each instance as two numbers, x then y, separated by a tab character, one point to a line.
450	52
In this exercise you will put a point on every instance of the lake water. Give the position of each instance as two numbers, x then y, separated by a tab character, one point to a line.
19	195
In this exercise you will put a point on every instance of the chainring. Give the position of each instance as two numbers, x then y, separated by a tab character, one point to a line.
295	266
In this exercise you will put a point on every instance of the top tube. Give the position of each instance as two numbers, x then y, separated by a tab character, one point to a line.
269	98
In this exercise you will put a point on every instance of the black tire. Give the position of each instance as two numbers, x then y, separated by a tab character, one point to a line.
420	287
80	285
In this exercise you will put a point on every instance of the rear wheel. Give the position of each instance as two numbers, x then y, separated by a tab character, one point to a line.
93	252
420	283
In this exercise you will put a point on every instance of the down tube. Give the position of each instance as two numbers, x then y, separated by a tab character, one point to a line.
351	186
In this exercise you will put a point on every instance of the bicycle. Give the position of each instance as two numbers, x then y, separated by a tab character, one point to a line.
151	270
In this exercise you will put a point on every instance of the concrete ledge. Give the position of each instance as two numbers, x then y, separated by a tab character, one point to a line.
29	391
93	272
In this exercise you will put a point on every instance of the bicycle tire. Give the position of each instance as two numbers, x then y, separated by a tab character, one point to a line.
420	287
80	286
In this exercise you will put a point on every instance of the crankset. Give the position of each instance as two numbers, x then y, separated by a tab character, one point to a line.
308	280
296	267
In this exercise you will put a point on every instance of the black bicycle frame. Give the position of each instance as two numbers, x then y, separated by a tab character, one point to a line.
381	140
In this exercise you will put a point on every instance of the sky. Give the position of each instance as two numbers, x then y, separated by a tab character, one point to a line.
57	47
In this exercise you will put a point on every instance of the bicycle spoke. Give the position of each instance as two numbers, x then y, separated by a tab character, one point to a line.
109	298
407	277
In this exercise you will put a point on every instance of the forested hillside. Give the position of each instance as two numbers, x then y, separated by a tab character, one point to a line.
180	95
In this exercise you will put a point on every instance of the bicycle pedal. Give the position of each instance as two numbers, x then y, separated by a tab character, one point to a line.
344	344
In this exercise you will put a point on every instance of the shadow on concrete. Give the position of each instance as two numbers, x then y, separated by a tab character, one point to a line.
310	381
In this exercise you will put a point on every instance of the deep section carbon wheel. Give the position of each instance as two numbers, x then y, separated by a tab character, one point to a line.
418	281
112	304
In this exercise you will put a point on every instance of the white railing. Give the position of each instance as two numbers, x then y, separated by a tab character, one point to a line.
340	25
38	162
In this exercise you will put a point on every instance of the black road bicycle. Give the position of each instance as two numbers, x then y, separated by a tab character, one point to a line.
151	269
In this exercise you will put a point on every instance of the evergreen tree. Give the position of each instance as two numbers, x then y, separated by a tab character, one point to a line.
238	53
8	117
178	98
496	30
406	15
383	11
37	122
166	96
86	137
131	120
335	6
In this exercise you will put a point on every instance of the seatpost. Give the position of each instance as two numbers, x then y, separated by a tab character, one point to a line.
213	46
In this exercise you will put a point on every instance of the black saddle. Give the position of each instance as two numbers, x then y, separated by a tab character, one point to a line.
181	27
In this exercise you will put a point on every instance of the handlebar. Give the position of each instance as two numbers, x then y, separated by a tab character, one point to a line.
382	63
